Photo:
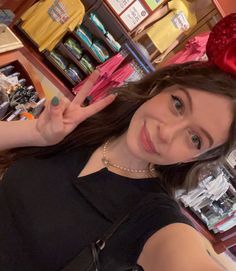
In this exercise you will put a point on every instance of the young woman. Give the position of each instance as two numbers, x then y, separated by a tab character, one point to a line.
126	159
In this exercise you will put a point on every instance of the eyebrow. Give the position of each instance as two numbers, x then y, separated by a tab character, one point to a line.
189	98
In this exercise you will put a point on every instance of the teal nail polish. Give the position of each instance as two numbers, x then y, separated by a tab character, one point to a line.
55	101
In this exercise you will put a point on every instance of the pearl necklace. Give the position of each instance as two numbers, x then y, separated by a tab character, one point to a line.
107	163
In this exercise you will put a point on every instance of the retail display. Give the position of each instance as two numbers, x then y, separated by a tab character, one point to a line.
90	44
87	51
95	45
85	35
214	201
168	27
74	73
115	45
112	74
66	66
47	21
100	50
74	47
61	61
87	64
18	101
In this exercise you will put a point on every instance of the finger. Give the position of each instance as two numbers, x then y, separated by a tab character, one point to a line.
45	115
57	108
65	103
89	83
99	105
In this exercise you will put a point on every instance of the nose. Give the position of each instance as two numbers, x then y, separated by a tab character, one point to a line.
168	132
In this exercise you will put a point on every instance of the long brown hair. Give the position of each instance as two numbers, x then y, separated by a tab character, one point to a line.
114	119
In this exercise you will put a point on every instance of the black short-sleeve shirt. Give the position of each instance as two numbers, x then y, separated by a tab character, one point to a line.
48	214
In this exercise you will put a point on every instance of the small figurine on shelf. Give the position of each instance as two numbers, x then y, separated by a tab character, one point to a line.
166	28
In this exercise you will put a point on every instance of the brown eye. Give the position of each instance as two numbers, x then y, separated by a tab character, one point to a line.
196	141
178	104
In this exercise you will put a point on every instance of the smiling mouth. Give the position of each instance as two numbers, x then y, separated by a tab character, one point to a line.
146	141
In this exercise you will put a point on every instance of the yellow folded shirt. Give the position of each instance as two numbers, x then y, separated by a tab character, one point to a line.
165	31
47	21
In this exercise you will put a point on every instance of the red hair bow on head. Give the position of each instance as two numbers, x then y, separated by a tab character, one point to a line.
221	45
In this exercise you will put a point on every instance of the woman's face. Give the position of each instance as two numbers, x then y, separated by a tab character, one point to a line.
178	125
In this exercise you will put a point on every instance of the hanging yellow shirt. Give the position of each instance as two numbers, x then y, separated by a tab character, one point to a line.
165	31
47	21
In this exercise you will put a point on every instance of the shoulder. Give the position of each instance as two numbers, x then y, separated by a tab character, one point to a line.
176	247
41	169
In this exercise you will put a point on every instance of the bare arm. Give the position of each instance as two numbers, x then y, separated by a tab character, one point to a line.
18	134
156	15
177	247
161	57
152	19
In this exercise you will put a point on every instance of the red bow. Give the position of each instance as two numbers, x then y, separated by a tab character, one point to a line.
221	45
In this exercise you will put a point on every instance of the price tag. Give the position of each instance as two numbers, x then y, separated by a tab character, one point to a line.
134	15
180	21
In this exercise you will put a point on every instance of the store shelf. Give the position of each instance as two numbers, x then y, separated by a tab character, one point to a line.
51	60
100	34
111	20
87	47
69	54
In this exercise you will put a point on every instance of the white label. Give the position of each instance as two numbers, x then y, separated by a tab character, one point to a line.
134	15
179	20
119	5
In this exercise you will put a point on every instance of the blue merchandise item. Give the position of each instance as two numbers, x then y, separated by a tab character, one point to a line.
100	51
93	17
114	44
74	73
85	35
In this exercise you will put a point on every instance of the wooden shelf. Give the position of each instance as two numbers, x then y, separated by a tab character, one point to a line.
30	52
50	59
22	64
100	34
87	48
219	241
63	48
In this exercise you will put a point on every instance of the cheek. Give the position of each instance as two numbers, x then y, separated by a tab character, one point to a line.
178	152
159	108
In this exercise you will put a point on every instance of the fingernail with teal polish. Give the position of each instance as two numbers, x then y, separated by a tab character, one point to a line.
55	101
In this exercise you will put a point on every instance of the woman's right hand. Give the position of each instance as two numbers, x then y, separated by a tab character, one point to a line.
60	119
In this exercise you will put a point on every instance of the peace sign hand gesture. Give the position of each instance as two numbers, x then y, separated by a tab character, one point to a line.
60	118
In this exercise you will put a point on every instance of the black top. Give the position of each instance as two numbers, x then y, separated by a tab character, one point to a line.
48	214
